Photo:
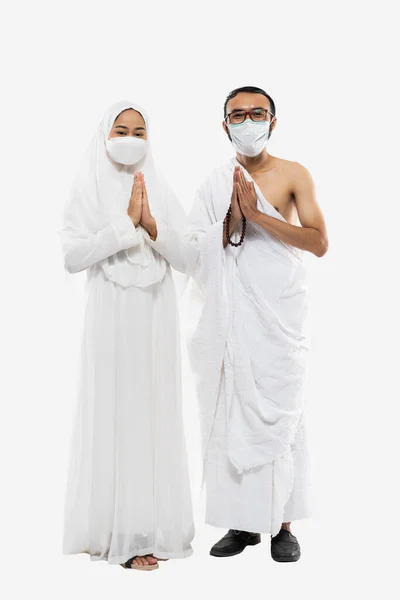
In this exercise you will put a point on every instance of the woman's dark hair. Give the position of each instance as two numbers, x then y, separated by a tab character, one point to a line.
251	90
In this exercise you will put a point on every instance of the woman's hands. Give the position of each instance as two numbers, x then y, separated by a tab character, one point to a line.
135	202
139	209
147	220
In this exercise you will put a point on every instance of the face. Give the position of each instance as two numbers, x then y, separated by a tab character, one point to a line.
246	101
129	123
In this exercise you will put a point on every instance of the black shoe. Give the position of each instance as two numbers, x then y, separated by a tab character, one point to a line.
285	547
234	542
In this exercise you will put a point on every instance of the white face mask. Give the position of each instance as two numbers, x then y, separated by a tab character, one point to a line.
126	150
250	137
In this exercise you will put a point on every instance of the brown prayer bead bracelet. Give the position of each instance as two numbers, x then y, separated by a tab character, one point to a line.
227	228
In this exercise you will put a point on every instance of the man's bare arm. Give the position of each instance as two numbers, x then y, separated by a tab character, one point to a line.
312	235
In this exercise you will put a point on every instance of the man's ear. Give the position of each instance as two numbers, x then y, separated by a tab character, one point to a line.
225	127
273	124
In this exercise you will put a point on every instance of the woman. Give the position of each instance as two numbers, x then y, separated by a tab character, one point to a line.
128	496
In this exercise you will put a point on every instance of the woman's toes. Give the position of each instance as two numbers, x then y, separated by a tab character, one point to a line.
143	561
136	562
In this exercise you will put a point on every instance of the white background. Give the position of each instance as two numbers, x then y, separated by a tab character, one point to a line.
331	68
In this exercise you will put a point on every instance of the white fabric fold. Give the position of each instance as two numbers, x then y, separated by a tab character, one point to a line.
252	322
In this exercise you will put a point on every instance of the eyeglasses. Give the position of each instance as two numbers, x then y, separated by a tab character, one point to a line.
256	114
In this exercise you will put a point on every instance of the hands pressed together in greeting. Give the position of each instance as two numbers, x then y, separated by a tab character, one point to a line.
139	209
243	200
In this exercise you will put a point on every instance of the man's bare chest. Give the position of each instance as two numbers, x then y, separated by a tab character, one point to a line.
277	190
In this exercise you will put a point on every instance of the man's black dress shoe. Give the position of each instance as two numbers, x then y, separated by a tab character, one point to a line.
285	547
234	542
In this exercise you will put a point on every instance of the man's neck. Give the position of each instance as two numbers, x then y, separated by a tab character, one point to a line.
253	164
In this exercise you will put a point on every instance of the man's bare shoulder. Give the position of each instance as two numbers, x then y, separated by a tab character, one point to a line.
295	175
291	168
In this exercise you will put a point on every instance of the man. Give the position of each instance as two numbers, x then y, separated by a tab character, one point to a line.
251	221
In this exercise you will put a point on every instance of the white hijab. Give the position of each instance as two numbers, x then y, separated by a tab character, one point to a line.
101	193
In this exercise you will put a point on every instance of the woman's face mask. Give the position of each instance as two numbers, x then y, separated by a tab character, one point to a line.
250	137
126	150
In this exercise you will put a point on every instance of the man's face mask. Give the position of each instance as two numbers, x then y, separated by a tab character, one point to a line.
249	138
126	150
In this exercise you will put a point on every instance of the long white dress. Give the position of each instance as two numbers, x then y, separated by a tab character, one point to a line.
128	488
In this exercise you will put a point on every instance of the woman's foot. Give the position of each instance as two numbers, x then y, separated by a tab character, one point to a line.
144	563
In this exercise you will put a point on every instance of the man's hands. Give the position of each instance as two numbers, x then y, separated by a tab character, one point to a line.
236	214
240	192
139	209
246	194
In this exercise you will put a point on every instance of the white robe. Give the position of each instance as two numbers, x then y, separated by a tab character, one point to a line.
128	488
248	353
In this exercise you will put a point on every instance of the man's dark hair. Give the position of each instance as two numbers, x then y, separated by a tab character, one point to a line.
251	90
